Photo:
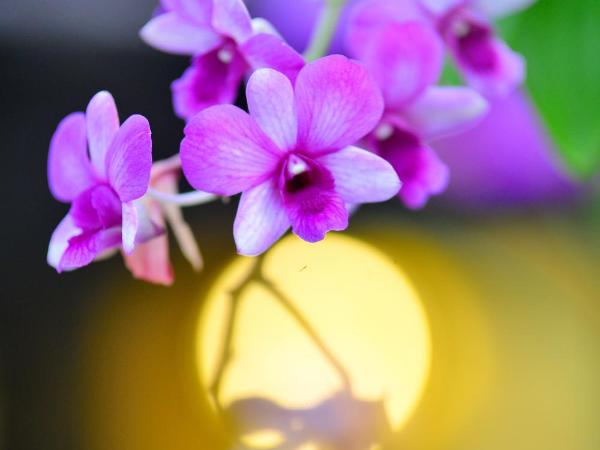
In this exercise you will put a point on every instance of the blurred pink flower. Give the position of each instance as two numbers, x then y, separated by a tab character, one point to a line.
405	59
486	62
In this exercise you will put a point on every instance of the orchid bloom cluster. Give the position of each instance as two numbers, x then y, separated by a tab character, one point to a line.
320	137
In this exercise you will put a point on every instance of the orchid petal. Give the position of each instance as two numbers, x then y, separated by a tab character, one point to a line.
361	176
405	59
338	103
84	248
420	170
369	16
261	25
502	8
60	240
129	159
230	17
130	226
225	152
207	82
269	51
272	104
446	110
150	262
261	219
98	207
70	171
102	120
171	33
199	11
138	226
443	7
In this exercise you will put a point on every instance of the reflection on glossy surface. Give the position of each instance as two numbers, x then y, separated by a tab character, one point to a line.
366	312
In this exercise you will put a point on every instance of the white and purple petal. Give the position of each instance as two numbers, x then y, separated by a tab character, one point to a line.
272	105
70	171
59	241
102	122
270	51
225	152
198	11
361	176
231	18
261	219
171	33
443	111
338	103
84	248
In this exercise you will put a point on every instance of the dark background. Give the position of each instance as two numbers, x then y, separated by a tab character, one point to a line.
54	56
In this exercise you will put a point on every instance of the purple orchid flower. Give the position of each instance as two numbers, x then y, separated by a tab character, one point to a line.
225	44
486	62
292	157
102	169
405	58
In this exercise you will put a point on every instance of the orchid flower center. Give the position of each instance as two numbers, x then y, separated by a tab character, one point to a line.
297	174
475	45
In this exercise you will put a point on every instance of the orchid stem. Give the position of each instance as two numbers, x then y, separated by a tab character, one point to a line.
255	275
325	29
186	199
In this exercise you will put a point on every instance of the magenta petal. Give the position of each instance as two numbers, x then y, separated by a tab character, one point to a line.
208	82
84	248
199	11
405	59
69	169
129	159
442	111
338	103
98	207
102	121
309	196
230	17
507	74
272	104
420	170
269	51
171	33
60	240
361	176
261	219
225	152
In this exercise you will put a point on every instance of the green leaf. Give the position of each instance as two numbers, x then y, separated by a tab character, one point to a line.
561	42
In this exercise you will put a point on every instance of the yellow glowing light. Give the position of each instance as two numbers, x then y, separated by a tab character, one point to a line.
361	304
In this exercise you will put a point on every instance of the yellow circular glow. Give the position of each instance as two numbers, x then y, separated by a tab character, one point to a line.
362	306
